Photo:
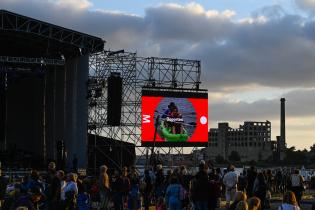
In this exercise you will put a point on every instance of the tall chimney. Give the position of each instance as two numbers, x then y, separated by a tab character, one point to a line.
282	124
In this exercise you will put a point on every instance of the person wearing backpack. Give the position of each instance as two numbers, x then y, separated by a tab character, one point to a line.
260	189
174	194
297	185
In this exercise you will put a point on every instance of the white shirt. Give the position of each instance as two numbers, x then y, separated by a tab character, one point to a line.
70	186
62	190
296	180
286	206
230	179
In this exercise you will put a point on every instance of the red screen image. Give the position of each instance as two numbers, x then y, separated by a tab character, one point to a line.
174	119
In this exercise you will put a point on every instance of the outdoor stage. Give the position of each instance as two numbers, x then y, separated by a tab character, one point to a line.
43	70
54	92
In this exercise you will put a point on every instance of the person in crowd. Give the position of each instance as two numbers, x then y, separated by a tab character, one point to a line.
184	181
242	182
126	186
104	188
62	177
49	178
242	206
269	180
159	182
214	190
36	188
57	184
160	205
212	174
251	176
297	185
117	190
239	196
83	200
230	181
95	194
253	203
147	189
260	189
289	202
24	200
3	187
134	194
35	181
36	196
173	195
200	188
278	180
70	192
167	179
51	172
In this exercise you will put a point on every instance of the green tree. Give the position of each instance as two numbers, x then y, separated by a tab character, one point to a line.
295	157
234	156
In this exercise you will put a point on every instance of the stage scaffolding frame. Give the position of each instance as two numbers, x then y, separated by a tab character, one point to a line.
137	73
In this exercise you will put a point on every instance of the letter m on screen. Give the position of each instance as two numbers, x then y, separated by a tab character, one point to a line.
146	118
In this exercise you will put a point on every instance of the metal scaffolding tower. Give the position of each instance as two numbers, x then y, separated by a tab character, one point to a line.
137	73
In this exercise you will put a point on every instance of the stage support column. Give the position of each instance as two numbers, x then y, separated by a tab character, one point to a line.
76	110
82	111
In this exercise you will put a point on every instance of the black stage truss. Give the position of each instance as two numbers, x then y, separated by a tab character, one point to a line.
61	40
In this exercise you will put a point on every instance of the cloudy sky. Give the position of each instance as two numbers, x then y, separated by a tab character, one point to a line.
253	52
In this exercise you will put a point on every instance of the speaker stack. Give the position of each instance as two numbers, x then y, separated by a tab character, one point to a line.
115	83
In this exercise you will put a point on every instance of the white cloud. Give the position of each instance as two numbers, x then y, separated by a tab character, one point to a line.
307	5
75	4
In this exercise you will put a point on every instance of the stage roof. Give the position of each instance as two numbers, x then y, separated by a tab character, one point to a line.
28	37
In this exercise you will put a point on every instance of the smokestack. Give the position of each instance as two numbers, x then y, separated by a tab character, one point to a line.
282	124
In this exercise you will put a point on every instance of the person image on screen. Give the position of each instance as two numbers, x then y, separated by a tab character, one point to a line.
169	110
177	127
168	113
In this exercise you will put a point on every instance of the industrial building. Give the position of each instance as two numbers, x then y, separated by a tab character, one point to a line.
252	140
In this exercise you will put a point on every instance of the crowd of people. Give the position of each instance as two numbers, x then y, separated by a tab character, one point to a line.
174	190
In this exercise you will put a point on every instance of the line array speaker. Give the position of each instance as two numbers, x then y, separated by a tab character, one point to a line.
114	99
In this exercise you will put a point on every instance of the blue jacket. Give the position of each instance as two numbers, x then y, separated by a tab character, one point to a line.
173	192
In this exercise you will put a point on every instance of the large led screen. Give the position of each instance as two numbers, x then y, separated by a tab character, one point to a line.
174	118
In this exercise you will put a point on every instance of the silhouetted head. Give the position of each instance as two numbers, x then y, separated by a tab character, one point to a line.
254	203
